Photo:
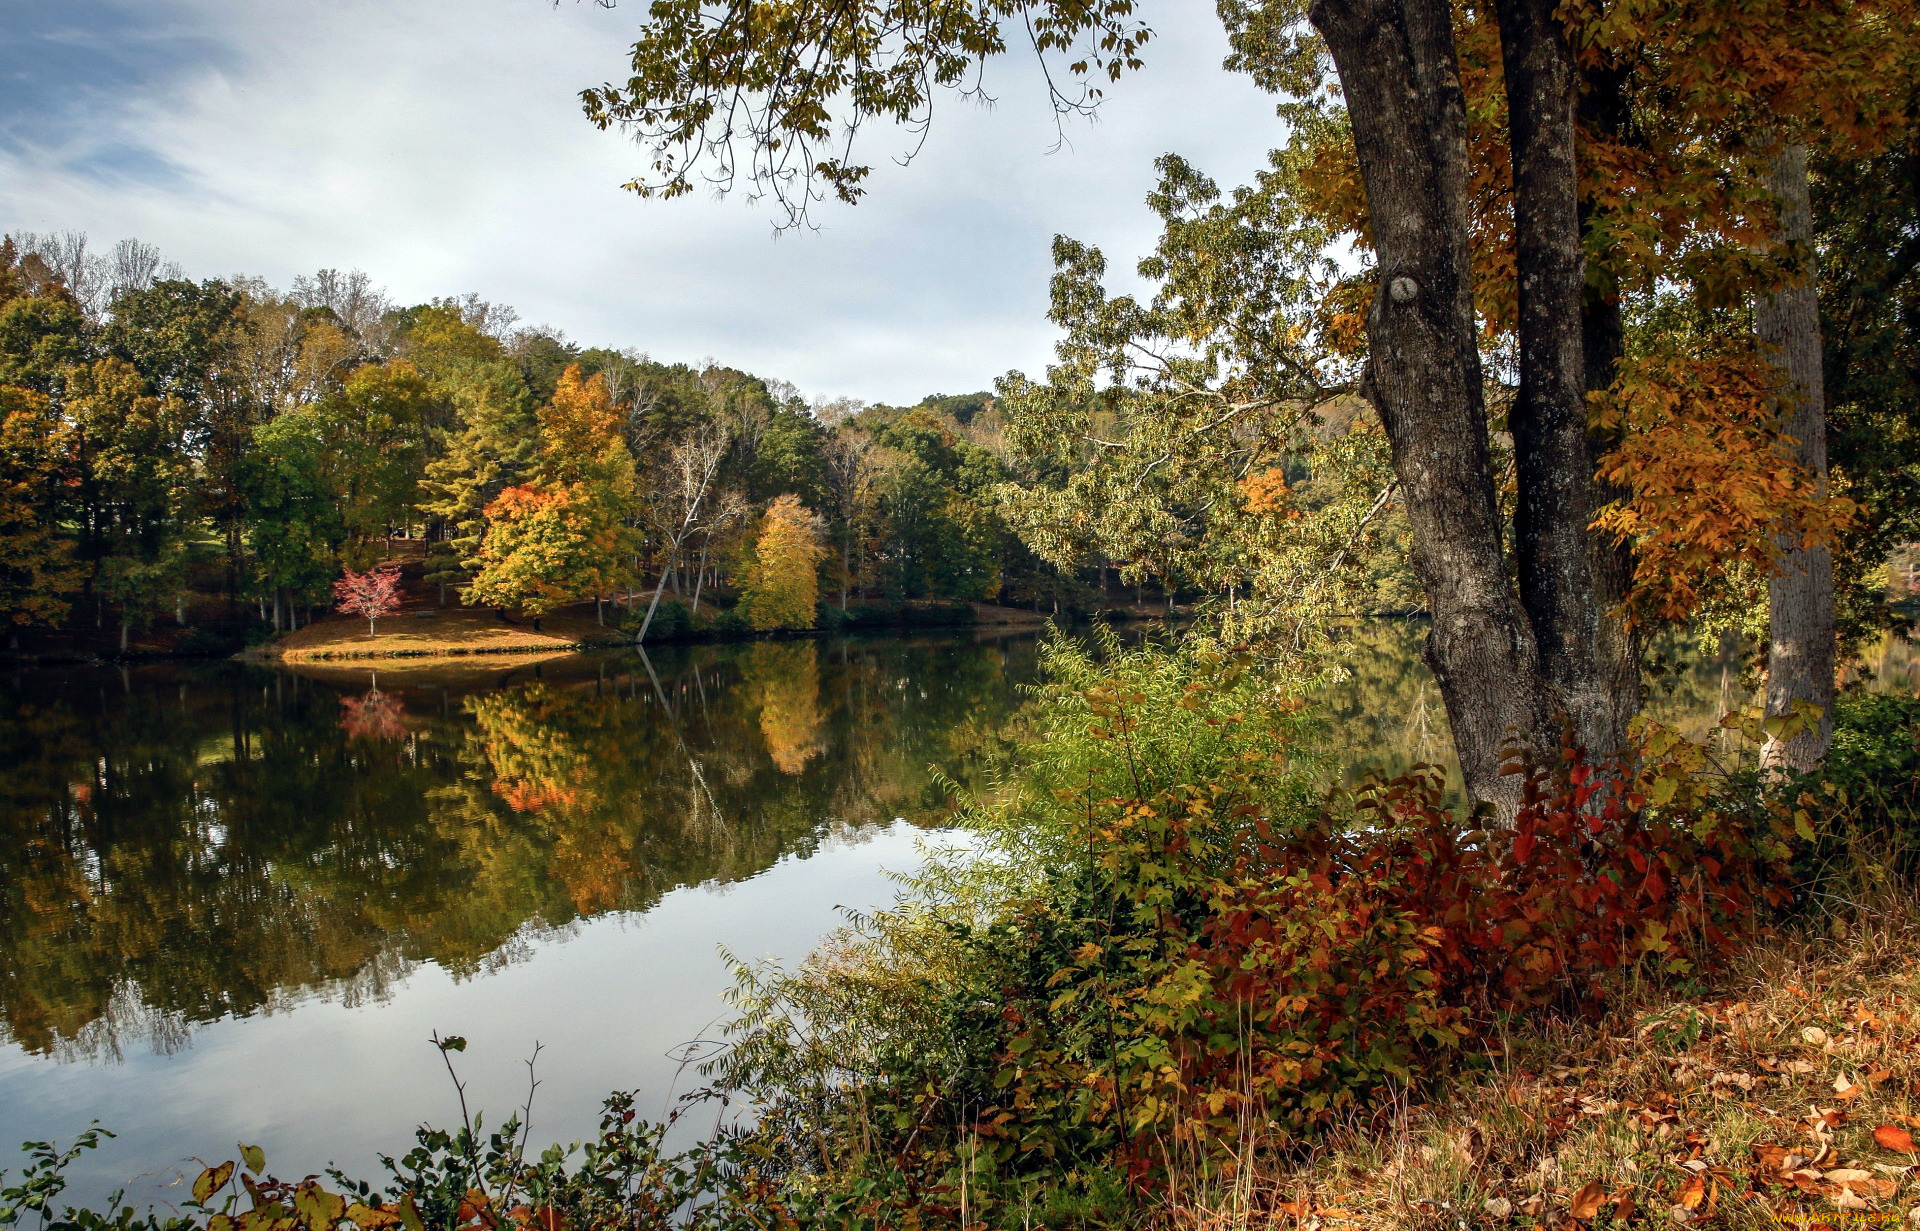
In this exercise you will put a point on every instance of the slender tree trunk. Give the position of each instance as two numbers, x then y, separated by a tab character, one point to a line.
1553	457
180	608
1800	658
1401	79
846	569
700	574
126	630
653	604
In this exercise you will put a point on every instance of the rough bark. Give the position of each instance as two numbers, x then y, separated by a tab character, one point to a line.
1801	653
1602	112
1401	79
1553	456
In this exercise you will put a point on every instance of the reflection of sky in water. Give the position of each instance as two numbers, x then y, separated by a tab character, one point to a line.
327	1082
237	902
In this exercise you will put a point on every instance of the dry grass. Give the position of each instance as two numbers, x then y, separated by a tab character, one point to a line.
434	633
1756	1104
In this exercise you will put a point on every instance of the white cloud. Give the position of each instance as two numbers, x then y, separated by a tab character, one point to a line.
438	144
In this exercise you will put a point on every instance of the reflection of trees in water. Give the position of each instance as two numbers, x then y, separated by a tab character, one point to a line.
183	844
1388	715
786	681
373	715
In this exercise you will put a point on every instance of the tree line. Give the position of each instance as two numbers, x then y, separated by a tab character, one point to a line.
162	437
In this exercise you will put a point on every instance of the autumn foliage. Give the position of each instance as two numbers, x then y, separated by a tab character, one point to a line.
1706	478
370	594
1223	970
782	587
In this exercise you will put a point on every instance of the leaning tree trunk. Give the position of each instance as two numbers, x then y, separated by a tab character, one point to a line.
1402	84
1800	658
1583	645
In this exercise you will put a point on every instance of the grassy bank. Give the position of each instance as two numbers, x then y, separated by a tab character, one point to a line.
428	632
422	630
1175	982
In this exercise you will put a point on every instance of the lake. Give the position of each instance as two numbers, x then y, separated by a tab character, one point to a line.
238	900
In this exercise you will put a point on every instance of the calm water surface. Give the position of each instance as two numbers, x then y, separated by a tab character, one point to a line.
234	902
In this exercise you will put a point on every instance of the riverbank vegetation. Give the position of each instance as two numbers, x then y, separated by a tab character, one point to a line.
214	456
1573	328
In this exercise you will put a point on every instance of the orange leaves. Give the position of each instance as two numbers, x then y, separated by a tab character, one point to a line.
549	545
1586	1203
1266	493
1707	481
1892	1137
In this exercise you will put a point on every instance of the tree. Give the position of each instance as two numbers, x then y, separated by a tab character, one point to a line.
37	571
136	485
680	502
1439	194
782	585
1800	596
371	594
294	526
490	449
547	547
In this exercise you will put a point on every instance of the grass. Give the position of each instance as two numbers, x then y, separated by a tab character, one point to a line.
1782	1096
429	632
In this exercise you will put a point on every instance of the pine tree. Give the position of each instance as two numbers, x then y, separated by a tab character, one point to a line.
491	450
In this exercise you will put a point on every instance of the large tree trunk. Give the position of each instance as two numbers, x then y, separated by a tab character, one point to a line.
1800	660
1602	110
1553	458
1401	80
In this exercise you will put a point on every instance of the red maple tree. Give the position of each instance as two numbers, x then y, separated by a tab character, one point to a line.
371	594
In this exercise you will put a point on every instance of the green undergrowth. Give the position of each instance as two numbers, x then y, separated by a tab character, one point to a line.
1166	960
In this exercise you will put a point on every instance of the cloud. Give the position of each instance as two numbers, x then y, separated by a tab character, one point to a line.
439	146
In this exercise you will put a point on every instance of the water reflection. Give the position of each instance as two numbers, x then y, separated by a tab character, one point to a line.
1387	713
181	844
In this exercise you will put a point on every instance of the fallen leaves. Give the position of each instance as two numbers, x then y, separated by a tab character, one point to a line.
1894	1138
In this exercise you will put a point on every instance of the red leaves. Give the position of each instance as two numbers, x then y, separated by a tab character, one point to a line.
369	595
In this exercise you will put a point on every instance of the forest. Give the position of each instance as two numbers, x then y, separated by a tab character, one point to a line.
177	448
1562	334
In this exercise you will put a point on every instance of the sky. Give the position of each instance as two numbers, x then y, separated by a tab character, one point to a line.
439	145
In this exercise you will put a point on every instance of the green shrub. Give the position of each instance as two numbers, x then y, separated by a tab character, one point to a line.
1163	942
671	620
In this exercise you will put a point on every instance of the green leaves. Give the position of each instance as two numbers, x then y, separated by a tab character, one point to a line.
775	92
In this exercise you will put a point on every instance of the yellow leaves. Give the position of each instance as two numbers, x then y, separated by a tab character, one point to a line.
211	1181
1707	481
782	586
549	545
579	426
